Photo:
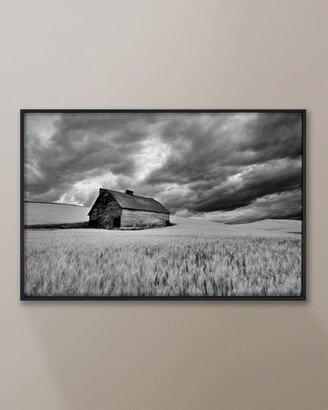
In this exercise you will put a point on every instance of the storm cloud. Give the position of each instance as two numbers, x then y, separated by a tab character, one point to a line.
226	167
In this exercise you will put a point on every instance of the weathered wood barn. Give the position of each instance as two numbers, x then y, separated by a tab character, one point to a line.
114	209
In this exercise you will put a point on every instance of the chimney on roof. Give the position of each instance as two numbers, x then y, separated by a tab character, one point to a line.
129	192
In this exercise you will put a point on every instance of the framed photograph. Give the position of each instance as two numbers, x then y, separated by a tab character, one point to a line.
163	204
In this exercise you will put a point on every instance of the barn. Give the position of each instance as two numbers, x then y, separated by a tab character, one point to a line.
113	209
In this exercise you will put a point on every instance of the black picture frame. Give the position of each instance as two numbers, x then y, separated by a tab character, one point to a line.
24	297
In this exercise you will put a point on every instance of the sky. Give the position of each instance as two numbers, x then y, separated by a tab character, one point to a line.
223	167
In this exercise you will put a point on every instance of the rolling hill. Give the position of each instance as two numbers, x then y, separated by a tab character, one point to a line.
281	225
50	213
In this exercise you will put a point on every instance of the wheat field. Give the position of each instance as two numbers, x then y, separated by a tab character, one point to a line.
191	258
49	213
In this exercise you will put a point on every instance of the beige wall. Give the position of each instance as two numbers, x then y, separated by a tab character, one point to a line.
164	54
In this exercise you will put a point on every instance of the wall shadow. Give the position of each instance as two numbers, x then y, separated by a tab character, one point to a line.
147	355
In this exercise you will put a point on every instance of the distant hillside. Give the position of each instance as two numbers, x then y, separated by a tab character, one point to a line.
282	225
52	213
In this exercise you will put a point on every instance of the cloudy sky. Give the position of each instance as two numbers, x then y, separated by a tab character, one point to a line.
224	167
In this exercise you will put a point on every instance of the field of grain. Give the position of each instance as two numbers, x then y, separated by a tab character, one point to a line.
43	213
190	258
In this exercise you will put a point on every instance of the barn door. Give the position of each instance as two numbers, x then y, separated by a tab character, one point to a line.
117	222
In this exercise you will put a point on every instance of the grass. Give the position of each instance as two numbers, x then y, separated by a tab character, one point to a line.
188	259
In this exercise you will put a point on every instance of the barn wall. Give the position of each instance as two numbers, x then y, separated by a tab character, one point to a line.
102	216
142	219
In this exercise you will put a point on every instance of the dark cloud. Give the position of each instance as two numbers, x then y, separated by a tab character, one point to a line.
285	205
83	146
193	163
273	177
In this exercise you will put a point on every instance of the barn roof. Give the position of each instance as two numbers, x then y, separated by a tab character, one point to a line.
136	202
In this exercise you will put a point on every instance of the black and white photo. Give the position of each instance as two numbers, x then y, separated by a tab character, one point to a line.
190	204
